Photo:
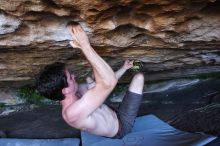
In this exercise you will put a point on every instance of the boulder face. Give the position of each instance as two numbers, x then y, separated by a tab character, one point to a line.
173	39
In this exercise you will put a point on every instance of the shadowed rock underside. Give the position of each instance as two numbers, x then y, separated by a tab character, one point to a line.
173	39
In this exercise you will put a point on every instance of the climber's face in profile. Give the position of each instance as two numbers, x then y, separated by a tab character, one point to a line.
72	84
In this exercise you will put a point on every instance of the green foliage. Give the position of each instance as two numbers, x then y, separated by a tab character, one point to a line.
30	95
2	105
206	76
198	76
119	88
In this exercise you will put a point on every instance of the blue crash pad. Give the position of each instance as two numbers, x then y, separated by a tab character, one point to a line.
39	142
150	131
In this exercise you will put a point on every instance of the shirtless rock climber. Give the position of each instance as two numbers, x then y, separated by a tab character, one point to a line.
83	104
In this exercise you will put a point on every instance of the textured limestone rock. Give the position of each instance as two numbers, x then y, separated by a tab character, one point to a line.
173	38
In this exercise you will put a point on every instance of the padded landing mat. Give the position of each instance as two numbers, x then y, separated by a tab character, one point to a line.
39	142
150	131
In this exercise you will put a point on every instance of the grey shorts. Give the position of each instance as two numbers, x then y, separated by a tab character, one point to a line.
127	112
